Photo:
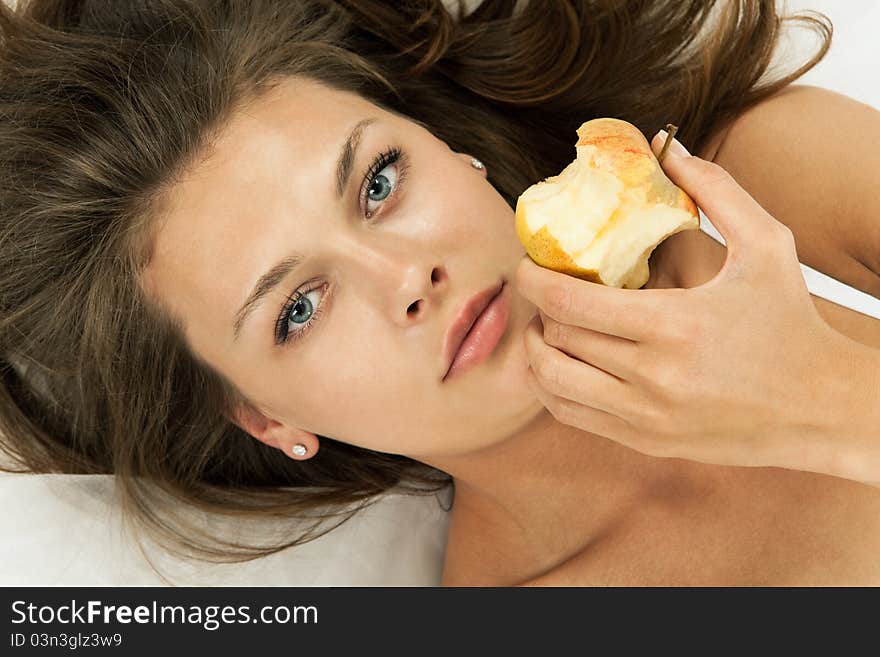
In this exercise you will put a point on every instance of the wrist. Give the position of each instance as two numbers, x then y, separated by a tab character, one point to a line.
851	425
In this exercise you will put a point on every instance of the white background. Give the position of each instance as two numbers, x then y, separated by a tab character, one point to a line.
852	65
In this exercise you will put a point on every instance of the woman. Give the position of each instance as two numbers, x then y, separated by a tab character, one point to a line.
246	231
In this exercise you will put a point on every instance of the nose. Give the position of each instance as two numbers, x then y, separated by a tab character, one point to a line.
405	281
419	292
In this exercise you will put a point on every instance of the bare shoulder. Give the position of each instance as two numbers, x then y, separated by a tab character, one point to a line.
719	137
808	156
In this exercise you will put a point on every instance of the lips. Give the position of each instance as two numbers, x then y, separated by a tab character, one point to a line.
465	319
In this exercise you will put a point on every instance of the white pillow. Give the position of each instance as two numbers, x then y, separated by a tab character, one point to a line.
67	530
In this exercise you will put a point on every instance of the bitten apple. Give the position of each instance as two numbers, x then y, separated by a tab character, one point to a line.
601	218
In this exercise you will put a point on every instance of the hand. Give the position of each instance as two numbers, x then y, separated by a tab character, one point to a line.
737	371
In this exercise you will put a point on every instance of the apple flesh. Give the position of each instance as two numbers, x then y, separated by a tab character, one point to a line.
601	218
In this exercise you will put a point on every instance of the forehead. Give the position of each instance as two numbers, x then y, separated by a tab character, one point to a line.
269	172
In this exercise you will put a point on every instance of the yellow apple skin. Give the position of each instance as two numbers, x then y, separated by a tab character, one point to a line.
545	250
621	162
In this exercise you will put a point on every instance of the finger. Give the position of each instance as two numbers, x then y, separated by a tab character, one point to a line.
616	356
629	314
579	415
744	224
563	376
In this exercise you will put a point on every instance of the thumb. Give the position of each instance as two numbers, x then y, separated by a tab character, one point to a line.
748	229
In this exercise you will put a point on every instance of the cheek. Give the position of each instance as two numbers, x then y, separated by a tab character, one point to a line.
489	220
367	392
348	377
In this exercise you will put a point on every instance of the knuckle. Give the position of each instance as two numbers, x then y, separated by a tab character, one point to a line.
657	330
682	321
656	423
648	419
665	426
669	328
651	371
562	410
713	174
687	329
548	372
664	320
651	437
663	378
657	446
648	372
654	429
784	235
543	369
558	300
770	243
554	332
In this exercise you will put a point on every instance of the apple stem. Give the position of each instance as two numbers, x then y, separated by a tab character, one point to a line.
670	130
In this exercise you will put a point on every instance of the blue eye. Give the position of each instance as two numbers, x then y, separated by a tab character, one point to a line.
375	183
298	309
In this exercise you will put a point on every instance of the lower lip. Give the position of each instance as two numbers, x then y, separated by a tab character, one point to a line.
483	336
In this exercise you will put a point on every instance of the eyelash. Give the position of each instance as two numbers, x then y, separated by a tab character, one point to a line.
390	156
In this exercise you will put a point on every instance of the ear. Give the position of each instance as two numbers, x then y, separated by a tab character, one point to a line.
272	432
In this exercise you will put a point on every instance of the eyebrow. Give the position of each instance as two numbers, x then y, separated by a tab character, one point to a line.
280	270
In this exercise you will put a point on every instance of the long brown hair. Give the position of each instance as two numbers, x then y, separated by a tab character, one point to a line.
102	107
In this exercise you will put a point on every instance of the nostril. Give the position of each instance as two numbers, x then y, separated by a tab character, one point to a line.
413	307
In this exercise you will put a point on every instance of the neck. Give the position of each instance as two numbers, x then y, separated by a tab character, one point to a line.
540	497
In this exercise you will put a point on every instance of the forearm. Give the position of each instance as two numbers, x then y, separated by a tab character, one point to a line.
852	430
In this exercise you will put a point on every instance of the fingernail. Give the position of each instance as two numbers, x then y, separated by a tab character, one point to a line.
675	148
678	148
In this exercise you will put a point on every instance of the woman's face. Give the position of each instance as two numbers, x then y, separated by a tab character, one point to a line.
363	359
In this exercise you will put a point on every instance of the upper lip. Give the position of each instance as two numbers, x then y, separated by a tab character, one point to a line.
465	319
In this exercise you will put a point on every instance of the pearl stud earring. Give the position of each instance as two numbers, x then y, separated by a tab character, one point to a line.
299	449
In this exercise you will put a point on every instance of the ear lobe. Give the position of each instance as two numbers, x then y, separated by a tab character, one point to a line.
271	432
